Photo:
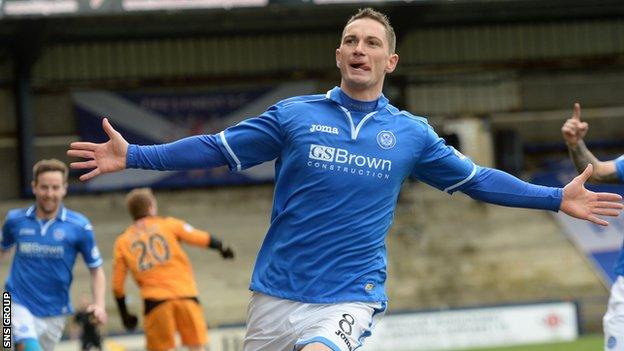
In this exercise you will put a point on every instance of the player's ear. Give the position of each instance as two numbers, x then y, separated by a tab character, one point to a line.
338	57
393	60
65	187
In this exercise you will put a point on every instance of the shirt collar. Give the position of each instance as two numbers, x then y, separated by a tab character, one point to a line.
60	215
335	95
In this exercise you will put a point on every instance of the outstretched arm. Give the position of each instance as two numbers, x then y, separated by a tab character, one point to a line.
187	233
244	145
497	187
449	170
573	131
116	154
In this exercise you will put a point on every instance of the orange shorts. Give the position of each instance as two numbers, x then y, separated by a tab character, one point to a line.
182	315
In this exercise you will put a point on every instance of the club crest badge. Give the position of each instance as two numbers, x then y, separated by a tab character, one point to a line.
58	235
386	139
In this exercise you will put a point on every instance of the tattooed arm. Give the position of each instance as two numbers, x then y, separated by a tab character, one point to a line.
573	131
605	171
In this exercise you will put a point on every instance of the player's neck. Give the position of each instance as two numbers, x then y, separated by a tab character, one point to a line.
357	105
46	215
365	94
140	222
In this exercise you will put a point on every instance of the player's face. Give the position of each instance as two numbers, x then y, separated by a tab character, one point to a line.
49	189
364	57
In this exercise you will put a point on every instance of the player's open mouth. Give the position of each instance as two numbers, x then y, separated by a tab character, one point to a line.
360	66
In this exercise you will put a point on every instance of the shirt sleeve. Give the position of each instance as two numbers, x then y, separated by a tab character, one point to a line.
120	270
7	238
253	141
442	166
244	145
447	169
196	152
88	248
188	234
497	187
619	166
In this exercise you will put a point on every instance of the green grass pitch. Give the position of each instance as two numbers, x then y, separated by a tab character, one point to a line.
584	343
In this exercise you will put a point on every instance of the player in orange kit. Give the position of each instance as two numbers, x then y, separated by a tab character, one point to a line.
150	248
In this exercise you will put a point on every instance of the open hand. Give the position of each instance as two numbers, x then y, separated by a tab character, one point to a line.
581	203
101	157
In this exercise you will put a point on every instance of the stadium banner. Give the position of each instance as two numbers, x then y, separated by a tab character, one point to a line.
600	245
153	118
425	331
476	328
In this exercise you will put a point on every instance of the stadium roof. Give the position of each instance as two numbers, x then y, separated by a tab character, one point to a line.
281	15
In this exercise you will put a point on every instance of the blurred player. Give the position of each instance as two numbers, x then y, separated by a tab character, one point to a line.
47	237
151	249
612	171
319	279
87	326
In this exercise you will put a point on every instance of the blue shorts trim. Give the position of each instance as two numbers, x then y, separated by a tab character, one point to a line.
30	344
368	332
318	339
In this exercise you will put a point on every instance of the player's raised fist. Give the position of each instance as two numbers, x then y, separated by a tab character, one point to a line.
574	130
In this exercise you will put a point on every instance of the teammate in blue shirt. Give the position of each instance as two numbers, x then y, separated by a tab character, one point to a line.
318	281
47	237
612	171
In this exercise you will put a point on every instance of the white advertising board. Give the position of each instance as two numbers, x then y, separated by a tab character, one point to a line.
473	328
430	331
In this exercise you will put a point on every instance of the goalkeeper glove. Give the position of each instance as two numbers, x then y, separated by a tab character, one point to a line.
225	251
129	321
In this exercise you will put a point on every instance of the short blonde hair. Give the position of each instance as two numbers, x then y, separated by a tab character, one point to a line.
139	202
379	17
51	165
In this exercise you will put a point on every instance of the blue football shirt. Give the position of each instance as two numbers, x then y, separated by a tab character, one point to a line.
337	183
45	253
339	167
619	166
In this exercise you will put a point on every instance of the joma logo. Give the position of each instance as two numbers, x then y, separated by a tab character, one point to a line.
324	129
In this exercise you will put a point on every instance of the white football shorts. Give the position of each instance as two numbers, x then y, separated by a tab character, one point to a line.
275	324
613	321
47	330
